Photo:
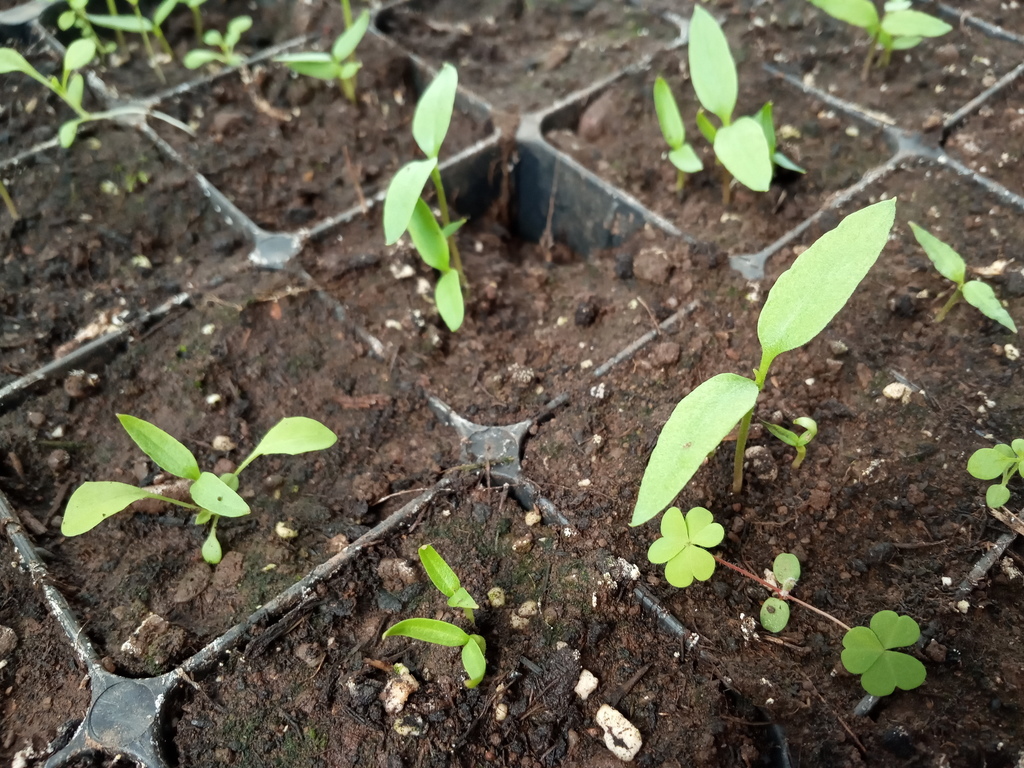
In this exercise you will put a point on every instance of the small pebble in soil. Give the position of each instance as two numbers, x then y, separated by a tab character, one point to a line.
1011	352
624	266
410	725
223	443
527	609
898	741
8	641
58	460
586	685
500	712
523	544
398	690
665	354
533	517
761	463
963	606
80	384
620	736
496	597
519	623
586	313
284	532
35	418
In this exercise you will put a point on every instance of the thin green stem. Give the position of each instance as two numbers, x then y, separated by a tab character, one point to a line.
442	203
346	12
741	436
163	41
197	23
680	182
348	87
801	454
6	196
865	70
118	35
953	301
149	48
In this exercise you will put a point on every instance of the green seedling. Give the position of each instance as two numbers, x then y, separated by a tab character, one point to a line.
867	652
951	266
212	496
405	210
140	25
681	153
740	144
442	632
898	29
764	117
1002	462
197	17
76	16
802	302
794	440
340	64
226	43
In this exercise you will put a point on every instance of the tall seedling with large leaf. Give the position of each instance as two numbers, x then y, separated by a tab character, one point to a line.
405	209
802	302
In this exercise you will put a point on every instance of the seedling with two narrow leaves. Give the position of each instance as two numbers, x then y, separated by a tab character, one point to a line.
226	43
340	64
792	439
1002	461
442	632
406	211
899	28
951	265
212	496
138	24
683	548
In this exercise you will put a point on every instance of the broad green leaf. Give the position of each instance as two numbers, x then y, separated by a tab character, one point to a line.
693	563
67	132
211	550
75	91
92	503
893	670
199	57
861	649
213	38
429	631
697	425
981	296
79	54
787	570
669	119
122	23
210	492
66	20
742	149
291	436
664	549
163	11
706	128
434	111
893	630
712	69
236	28
474	661
811	292
685	159
311	64
349	69
448	297
702	529
914	24
901	43
427	237
859	13
202	517
1017	446
774	614
403	192
996	496
349	40
947	261
990	463
170	455
440	573
12	61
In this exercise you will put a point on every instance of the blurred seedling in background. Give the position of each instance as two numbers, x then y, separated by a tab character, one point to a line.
200	57
1002	461
442	632
951	266
212	496
792	439
197	17
405	210
898	29
76	16
340	64
681	153
138	24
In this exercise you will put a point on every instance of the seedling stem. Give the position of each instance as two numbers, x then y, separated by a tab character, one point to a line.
118	34
453	248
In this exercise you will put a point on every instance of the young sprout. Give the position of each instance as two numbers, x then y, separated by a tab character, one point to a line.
764	117
1001	461
683	544
405	210
681	153
442	632
794	440
867	652
76	16
212	496
226	42
197	17
951	266
740	144
339	64
775	610
898	29
139	25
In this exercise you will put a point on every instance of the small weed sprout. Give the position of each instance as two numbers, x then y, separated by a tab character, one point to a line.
76	16
1002	461
226	43
681	153
792	439
405	210
951	265
140	25
442	632
898	29
340	64
683	546
867	651
213	496
775	610
802	302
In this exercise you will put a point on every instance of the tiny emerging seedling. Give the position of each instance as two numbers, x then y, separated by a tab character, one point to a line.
775	610
340	64
405	209
898	29
226	43
794	440
681	153
77	16
764	117
1002	461
213	496
442	632
951	265
140	25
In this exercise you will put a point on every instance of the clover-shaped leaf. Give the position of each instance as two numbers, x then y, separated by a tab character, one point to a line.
866	652
682	546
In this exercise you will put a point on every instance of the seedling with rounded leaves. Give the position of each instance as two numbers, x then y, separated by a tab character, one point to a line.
405	210
681	153
1001	461
794	440
683	546
340	64
447	583
802	302
226	43
898	29
951	265
867	651
775	610
213	496
77	16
